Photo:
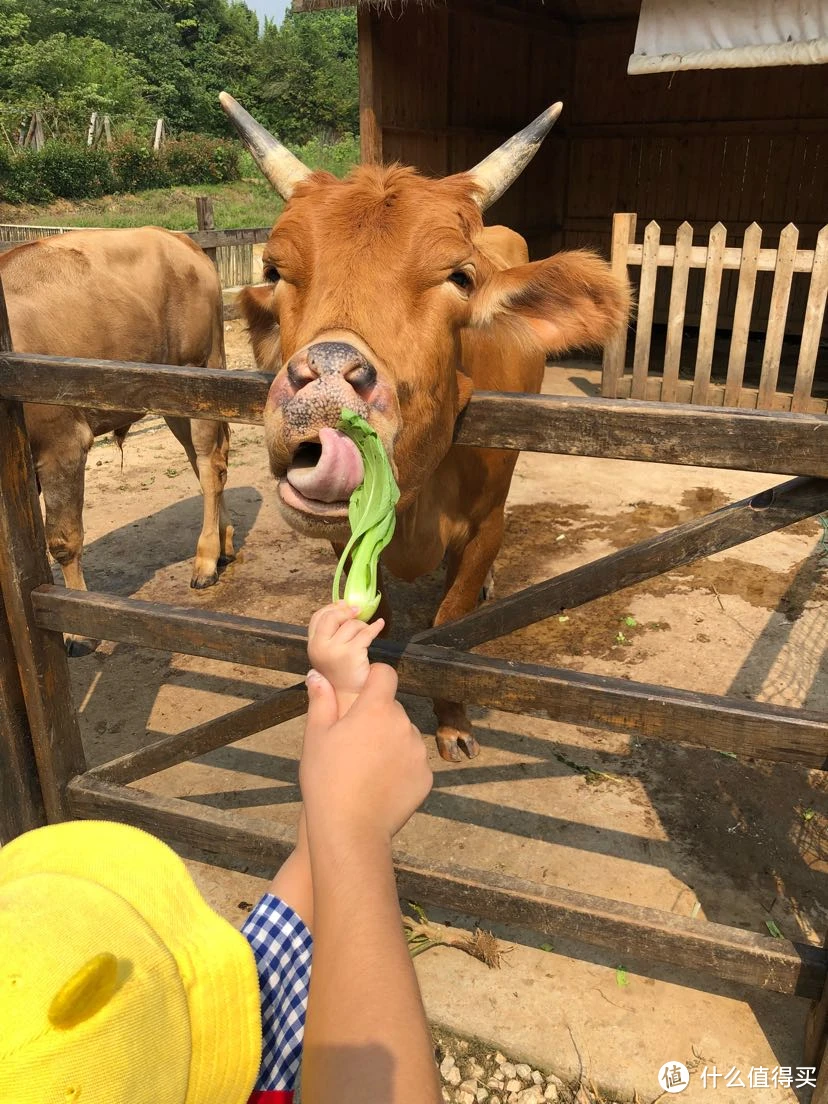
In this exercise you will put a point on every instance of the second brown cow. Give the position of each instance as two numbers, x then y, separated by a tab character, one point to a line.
138	295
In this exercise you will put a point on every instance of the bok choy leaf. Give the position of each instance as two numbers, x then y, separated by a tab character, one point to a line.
372	517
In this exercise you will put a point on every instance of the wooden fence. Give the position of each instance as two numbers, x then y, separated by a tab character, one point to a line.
231	250
45	777
726	361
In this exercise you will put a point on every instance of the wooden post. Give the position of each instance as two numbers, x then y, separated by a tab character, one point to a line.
206	221
370	129
21	802
815	1050
623	233
159	136
40	655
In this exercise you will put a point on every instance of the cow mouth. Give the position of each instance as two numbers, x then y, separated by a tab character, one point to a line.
322	475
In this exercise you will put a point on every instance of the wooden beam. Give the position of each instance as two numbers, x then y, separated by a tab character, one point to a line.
730	953
664	433
21	801
370	126
183	746
160	388
731	525
40	655
573	697
661	433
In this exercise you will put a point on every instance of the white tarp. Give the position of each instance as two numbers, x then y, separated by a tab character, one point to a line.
729	34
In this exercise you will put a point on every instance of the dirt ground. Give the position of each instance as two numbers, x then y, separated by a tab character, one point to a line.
652	823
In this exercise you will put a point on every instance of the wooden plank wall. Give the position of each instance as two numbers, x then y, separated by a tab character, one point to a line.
450	83
730	146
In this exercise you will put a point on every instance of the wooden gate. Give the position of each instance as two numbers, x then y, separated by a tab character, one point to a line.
44	774
740	300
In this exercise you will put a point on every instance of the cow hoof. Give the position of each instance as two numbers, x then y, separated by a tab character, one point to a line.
225	559
449	749
201	582
77	647
468	744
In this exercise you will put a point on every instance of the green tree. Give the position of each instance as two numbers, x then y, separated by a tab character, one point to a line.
308	76
137	59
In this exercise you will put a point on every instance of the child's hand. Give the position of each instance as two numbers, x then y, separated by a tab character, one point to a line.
338	649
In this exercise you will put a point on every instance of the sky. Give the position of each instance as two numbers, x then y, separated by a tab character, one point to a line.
273	9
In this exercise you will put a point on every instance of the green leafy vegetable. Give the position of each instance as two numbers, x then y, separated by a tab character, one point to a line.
372	518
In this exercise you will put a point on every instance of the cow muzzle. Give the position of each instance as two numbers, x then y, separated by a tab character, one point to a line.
316	465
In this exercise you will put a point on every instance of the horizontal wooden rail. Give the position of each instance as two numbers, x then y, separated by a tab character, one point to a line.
740	956
803	260
211	239
745	440
207	239
573	697
731	525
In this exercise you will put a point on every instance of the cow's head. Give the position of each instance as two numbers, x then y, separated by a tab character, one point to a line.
371	280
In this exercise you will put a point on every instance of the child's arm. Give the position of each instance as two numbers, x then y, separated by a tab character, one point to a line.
362	777
338	646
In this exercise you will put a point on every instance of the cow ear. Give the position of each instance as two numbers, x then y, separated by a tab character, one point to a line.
568	301
257	306
465	387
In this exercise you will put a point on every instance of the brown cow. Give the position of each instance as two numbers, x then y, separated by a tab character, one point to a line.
394	301
140	295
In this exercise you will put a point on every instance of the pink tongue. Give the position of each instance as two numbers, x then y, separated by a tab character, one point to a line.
336	474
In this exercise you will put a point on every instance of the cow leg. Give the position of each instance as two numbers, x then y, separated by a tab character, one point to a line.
61	474
207	445
469	569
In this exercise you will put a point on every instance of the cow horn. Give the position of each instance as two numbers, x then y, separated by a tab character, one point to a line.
500	169
279	165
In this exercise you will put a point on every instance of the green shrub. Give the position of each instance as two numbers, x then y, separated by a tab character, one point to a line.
136	167
193	159
74	172
23	182
129	165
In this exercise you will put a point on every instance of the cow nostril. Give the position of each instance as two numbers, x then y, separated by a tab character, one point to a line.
301	372
362	377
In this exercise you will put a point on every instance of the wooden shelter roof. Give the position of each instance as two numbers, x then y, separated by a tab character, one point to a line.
567	11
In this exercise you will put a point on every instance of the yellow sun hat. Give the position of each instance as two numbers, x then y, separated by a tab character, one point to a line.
118	983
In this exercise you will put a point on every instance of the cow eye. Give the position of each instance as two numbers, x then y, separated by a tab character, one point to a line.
271	274
462	279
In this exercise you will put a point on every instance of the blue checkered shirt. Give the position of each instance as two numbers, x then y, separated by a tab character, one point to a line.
282	947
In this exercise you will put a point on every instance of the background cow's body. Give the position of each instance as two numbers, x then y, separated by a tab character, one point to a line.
138	295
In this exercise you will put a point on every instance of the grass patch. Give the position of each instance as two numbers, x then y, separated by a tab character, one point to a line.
242	203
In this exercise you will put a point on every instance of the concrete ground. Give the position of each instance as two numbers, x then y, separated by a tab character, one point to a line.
652	823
